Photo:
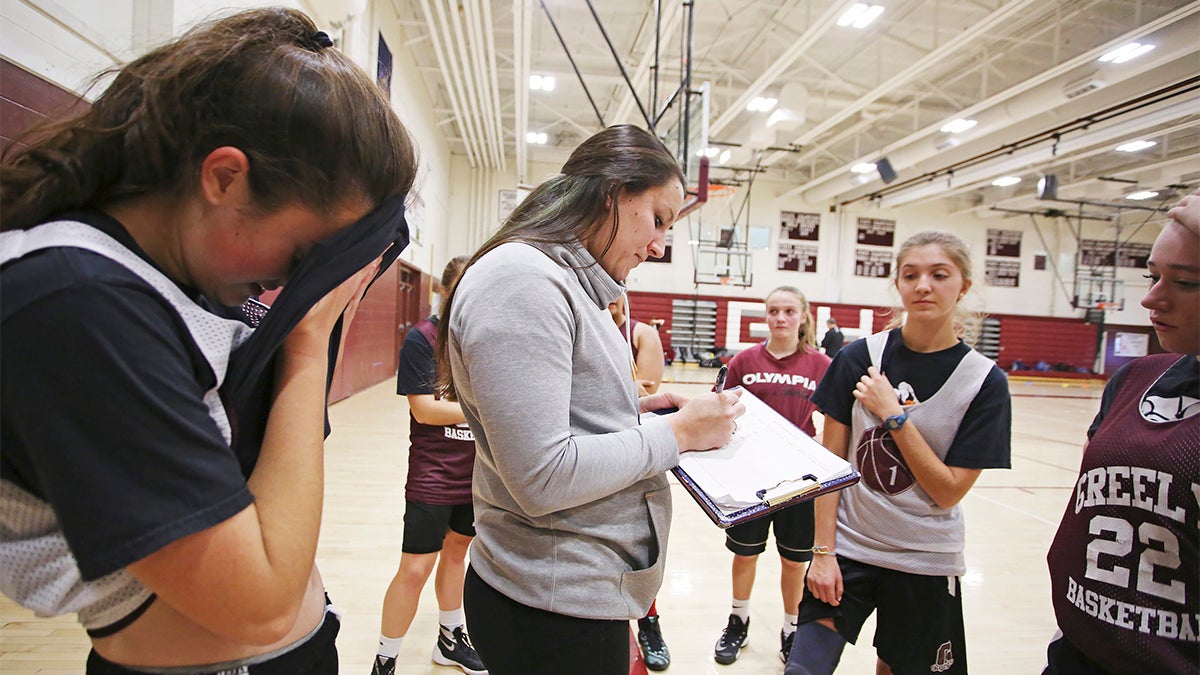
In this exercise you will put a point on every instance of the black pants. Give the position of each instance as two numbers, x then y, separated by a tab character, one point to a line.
515	639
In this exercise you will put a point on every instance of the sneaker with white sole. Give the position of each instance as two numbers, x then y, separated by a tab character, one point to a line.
454	648
785	645
733	638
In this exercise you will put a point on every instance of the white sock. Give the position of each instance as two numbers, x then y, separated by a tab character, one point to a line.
789	623
450	619
390	647
741	609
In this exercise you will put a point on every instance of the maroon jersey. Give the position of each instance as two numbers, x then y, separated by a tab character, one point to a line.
784	384
629	336
1124	570
440	458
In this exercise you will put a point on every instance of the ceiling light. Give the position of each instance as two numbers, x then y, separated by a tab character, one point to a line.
860	15
864	167
1006	181
958	126
1134	146
710	152
1143	194
1126	52
761	104
725	155
541	82
536	137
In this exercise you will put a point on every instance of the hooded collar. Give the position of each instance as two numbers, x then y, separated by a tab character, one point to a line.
599	286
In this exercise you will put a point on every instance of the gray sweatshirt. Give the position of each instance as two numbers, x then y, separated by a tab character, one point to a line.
572	507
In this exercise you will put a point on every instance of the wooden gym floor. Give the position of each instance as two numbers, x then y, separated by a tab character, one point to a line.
1011	518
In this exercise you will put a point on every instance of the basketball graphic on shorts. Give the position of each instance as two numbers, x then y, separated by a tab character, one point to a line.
881	464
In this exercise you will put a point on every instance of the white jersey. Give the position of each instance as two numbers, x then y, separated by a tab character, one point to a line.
887	519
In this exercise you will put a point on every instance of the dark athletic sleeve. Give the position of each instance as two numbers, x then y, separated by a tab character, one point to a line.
104	419
417	372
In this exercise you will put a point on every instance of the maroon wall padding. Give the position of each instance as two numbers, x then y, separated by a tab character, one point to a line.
1050	339
1067	341
27	100
372	348
649	306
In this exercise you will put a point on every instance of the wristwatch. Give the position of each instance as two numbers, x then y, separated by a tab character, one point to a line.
895	421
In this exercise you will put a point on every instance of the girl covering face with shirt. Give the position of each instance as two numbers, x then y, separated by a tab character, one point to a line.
245	155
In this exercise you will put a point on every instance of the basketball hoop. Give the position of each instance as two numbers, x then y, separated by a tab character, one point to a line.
720	191
725	281
1105	306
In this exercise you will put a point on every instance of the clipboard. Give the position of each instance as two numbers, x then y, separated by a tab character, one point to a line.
768	464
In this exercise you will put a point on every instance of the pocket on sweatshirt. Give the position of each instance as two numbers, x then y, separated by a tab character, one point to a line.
642	585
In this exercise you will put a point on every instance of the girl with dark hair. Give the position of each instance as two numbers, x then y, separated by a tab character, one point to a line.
439	521
139	490
572	505
919	414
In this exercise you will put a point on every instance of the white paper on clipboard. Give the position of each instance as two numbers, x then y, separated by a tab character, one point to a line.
767	460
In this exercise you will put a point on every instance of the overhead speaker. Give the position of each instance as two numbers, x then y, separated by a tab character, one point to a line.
1047	187
886	172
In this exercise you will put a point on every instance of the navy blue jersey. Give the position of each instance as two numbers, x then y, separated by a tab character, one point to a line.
108	424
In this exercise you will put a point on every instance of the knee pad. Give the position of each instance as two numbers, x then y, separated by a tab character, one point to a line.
816	650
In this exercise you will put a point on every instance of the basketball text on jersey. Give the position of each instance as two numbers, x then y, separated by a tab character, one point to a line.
1134	486
1126	554
780	378
1150	620
459	433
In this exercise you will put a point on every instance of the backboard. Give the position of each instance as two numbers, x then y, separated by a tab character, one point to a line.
723	266
1099	293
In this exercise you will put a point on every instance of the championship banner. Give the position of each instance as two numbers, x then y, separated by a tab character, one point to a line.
799	226
1004	243
1002	273
797	257
876	232
869	263
1099	253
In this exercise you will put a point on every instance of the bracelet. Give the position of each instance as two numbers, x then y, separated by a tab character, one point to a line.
823	550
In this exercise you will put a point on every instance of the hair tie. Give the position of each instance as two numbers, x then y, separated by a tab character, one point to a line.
321	40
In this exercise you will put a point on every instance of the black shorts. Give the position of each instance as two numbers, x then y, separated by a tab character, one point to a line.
919	622
793	533
316	655
425	525
1064	658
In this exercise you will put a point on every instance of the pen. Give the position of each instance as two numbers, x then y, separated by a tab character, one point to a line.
721	378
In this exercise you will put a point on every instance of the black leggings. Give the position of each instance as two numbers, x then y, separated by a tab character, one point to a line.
515	639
